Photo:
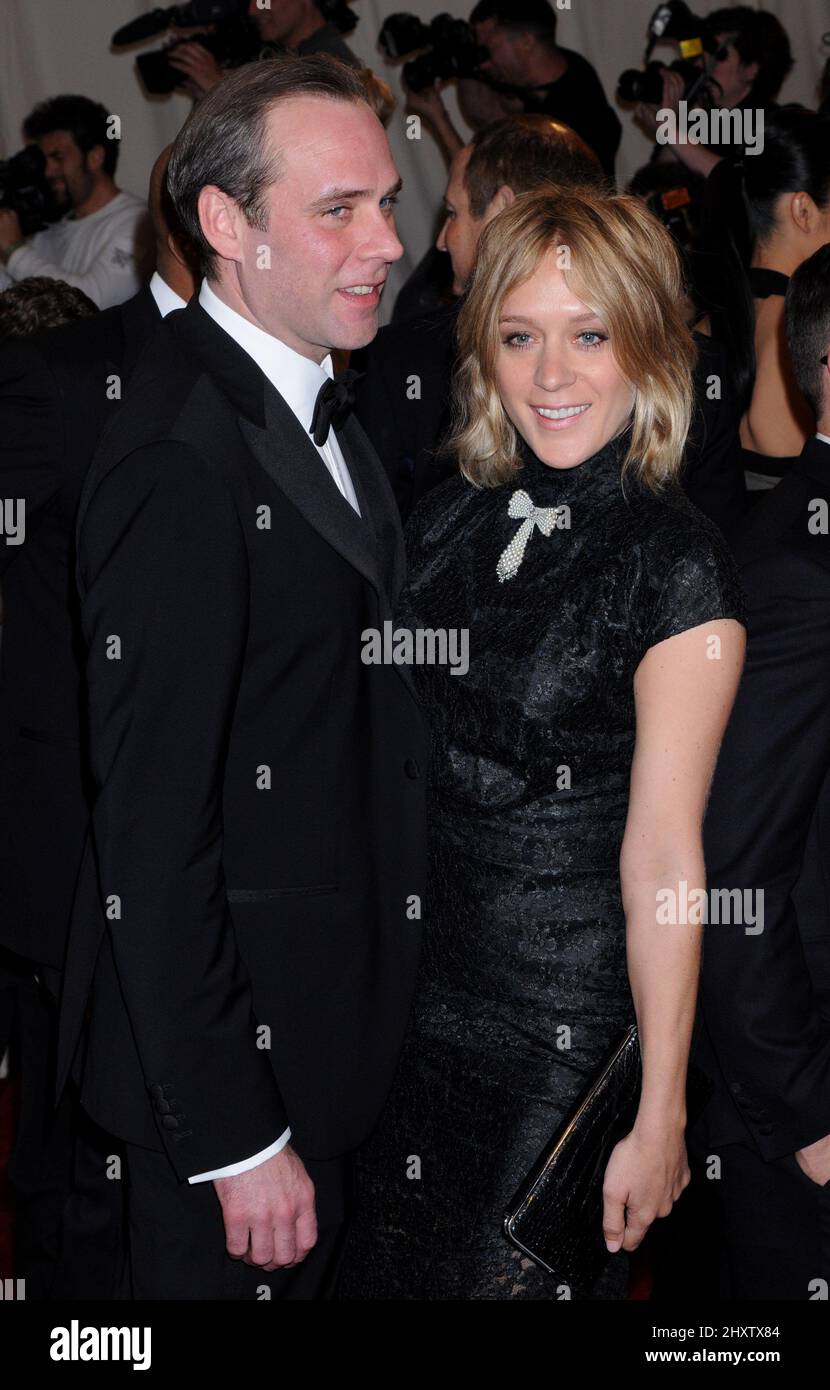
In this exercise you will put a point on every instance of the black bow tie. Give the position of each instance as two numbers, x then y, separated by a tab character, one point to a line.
334	401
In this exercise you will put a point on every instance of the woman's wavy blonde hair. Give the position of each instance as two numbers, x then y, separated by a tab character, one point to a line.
623	264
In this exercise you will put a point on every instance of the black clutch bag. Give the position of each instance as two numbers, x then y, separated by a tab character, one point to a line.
556	1215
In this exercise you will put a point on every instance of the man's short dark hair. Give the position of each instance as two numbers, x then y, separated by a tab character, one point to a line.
807	323
87	122
759	38
525	152
222	142
39	302
535	17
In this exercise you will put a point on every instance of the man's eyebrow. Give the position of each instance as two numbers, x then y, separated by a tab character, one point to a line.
339	195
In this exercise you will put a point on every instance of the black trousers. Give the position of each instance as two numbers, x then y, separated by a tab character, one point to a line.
68	1211
177	1237
776	1227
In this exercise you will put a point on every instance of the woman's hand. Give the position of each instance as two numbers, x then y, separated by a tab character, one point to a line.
646	1174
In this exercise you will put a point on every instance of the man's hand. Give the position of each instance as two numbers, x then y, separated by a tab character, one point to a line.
10	228
815	1160
269	1215
198	67
480	104
645	113
428	102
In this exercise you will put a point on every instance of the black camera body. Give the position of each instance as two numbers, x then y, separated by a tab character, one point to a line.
450	48
696	39
231	46
234	39
24	189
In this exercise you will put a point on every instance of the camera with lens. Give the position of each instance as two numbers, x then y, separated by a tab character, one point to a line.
234	41
24	189
696	40
450	48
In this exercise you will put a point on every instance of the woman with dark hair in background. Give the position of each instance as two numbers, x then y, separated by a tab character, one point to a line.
770	211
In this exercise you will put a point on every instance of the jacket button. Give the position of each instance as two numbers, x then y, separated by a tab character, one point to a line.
412	769
766	1129
169	1122
163	1107
157	1092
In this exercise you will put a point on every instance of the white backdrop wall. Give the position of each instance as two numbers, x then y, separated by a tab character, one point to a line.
53	46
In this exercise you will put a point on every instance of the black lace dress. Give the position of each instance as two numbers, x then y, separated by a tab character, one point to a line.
523	984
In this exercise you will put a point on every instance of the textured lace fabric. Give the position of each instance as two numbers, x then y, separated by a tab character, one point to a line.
523	985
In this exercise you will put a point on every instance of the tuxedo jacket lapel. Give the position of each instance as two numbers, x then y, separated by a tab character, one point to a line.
377	504
371	542
291	460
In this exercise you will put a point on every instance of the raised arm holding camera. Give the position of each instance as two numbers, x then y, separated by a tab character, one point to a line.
733	61
508	62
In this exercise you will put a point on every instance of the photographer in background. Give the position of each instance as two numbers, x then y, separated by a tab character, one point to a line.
103	245
297	26
750	75
529	73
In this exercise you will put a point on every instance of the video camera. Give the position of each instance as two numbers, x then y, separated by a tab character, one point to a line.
235	40
24	189
450	48
696	39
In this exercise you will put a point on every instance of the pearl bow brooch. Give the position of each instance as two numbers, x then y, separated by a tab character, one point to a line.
522	507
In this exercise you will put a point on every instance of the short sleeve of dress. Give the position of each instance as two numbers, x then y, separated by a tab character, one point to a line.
688	577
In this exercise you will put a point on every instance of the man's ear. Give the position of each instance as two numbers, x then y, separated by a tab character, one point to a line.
501	199
95	159
219	217
525	43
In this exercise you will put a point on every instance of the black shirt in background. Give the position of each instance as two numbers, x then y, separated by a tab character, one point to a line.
578	100
328	39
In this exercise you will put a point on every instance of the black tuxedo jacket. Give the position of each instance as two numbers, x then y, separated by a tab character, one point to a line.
56	395
764	1022
245	931
406	428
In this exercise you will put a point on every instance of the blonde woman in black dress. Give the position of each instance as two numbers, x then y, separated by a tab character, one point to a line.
571	763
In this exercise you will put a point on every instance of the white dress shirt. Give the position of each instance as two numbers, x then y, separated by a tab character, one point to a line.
298	379
166	299
824	437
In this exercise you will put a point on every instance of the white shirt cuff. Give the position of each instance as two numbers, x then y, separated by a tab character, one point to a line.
245	1163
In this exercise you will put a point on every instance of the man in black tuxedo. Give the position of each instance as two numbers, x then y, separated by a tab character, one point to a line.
58	390
764	1033
246	930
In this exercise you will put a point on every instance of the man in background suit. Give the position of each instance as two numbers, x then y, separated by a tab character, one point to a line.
58	390
764	1033
246	930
